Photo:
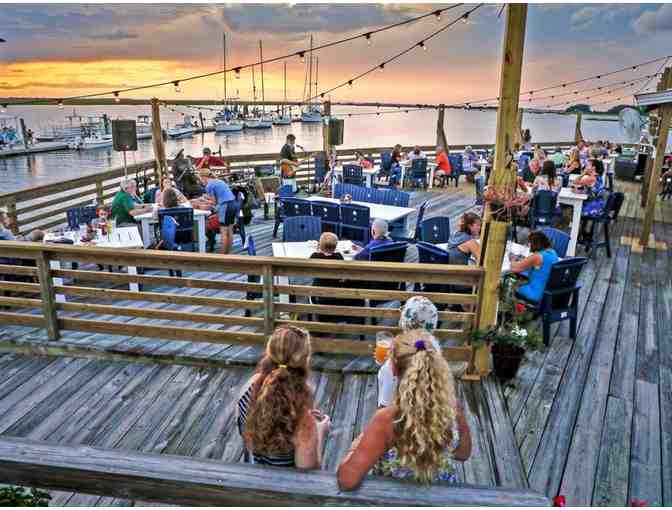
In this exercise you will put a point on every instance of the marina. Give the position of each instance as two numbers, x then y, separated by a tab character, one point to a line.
336	301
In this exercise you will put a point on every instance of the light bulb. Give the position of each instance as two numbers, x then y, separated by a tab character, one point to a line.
368	39
177	86
422	45
465	18
60	103
350	84
3	108
237	73
116	97
382	66
302	56
438	15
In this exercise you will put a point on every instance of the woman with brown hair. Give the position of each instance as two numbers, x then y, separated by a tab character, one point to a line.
464	243
423	432
275	412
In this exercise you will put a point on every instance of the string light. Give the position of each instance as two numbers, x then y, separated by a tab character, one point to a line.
116	97
438	15
465	18
382	66
177	86
60	103
422	45
237	71
350	84
302	57
368	39
3	108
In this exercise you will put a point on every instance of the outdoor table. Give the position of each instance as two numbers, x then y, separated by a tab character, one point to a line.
369	173
147	219
121	238
389	213
511	247
303	250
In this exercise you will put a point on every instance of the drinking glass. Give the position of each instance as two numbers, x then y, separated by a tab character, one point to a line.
383	345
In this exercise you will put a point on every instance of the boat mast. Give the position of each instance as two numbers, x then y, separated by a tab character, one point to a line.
224	42
310	72
317	68
261	63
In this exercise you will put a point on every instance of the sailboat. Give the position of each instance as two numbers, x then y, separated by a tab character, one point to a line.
224	120
184	130
283	119
259	120
311	113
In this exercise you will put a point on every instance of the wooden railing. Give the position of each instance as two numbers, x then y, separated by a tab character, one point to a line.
88	291
45	206
179	480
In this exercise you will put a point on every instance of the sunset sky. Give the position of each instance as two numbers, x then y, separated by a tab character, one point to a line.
61	50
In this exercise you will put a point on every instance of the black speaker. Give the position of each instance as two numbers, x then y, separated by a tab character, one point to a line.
336	127
124	136
641	163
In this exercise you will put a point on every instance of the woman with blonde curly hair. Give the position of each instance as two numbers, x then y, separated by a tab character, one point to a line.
423	432
275	412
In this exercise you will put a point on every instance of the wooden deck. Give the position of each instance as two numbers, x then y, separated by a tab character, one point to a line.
589	419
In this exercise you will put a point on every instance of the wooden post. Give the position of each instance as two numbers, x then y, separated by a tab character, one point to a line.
157	141
440	132
578	135
200	116
23	133
648	170
48	297
665	114
326	142
503	176
519	129
269	313
13	218
99	192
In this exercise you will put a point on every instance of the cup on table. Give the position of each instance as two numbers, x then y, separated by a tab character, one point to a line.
383	346
83	229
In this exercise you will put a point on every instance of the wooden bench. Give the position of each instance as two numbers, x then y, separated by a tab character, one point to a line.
199	482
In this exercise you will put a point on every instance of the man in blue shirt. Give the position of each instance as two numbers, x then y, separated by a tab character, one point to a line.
220	195
379	236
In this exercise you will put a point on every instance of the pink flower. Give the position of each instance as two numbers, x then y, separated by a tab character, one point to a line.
638	502
520	308
559	501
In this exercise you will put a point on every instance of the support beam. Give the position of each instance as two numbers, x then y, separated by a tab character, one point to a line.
578	135
326	142
503	177
665	114
157	141
440	132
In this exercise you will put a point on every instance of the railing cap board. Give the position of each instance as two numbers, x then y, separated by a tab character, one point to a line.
189	481
219	262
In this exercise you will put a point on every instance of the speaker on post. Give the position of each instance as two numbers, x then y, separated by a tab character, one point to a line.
336	127
124	135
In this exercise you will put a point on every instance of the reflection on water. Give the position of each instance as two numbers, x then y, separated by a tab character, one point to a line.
461	127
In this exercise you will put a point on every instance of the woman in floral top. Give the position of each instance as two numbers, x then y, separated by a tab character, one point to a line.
423	432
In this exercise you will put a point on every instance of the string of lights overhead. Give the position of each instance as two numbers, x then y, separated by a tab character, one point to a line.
422	44
301	54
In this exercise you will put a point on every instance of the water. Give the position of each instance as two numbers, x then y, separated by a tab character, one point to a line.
461	127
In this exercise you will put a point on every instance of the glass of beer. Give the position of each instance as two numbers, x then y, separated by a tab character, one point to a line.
383	345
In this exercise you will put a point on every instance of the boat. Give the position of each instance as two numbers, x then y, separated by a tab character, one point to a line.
94	141
143	127
258	119
77	126
259	122
282	118
183	130
312	113
226	121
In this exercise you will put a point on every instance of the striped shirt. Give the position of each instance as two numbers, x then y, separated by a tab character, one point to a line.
284	460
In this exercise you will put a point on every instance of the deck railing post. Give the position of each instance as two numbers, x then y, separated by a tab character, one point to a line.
13	217
47	296
269	314
99	192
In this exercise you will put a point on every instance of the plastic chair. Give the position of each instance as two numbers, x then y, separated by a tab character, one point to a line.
358	193
396	198
367	195
385	162
560	299
455	168
353	174
301	228
184	228
378	196
435	230
252	278
320	168
355	222
77	216
544	208
149	197
611	210
430	254
418	221
559	239
330	214
289	207
419	172
391	252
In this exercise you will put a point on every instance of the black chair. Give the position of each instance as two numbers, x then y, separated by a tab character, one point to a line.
560	299
301	228
419	172
610	214
435	230
430	254
353	174
559	239
330	214
284	192
289	207
252	278
543	209
355	222
77	216
455	168
625	168
391	252
320	169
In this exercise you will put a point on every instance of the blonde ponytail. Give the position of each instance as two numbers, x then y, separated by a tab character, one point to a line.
425	399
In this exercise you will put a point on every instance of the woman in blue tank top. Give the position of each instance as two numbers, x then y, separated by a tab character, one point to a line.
538	264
